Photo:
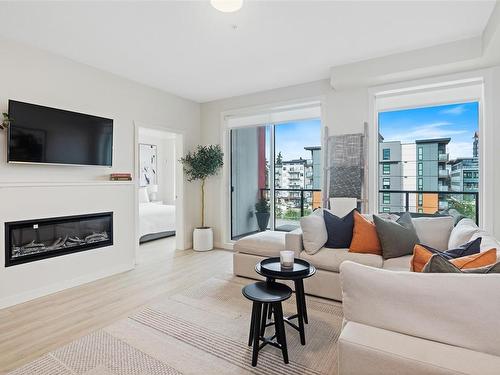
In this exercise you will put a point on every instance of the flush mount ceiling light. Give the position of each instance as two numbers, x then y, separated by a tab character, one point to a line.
227	6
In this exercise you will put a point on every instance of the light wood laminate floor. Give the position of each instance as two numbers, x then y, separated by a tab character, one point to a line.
34	328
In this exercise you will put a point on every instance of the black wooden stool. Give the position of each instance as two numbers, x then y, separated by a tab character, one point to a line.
266	296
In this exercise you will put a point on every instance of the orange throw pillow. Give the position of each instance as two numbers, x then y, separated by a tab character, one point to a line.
421	256
364	236
483	259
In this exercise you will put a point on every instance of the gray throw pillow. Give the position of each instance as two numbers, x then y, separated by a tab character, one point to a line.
397	238
438	264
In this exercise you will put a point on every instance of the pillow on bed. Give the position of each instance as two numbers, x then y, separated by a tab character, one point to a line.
143	195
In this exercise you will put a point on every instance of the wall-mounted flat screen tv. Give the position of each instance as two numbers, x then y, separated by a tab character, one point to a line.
46	135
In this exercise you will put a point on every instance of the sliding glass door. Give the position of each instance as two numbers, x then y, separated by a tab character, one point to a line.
250	158
275	176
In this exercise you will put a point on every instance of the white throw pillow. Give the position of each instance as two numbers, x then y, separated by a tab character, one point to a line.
434	231
143	195
314	234
462	233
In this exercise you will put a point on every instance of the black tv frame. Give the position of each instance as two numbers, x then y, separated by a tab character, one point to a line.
59	164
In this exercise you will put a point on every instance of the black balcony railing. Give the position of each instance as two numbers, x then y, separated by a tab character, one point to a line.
465	202
290	205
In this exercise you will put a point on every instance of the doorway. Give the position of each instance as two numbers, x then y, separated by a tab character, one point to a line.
159	177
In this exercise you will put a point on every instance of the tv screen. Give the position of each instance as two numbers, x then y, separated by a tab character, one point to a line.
40	134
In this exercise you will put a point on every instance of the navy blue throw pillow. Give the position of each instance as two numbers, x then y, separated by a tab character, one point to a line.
470	248
339	230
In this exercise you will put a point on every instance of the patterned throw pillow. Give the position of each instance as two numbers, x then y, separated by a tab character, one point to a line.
422	253
438	264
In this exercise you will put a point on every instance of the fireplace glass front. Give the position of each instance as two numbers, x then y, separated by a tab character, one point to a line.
31	240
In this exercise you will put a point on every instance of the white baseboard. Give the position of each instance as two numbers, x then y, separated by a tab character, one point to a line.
66	284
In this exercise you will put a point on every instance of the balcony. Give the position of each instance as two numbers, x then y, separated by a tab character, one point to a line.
465	202
444	173
443	157
291	205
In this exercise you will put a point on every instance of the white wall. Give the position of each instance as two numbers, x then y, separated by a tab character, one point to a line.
343	112
35	76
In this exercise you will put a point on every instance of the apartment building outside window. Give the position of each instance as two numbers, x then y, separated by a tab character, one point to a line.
386	198
434	159
386	168
386	183
386	154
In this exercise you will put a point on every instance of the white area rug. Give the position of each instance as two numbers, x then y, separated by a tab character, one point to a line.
202	330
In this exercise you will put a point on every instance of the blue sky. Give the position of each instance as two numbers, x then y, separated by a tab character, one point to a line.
456	121
292	137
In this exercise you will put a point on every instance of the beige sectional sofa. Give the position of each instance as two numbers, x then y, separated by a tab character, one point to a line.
326	282
418	323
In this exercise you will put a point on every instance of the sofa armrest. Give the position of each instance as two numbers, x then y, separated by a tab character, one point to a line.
454	309
293	241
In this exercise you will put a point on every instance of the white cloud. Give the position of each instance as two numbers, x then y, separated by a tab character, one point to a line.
426	131
455	111
460	149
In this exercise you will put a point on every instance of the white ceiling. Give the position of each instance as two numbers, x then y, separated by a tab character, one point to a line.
192	50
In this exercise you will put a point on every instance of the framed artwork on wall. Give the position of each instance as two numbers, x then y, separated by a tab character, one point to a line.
148	161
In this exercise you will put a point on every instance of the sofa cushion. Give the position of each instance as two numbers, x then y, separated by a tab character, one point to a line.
364	236
454	309
438	264
434	231
339	229
268	244
462	233
422	253
330	259
398	264
487	240
397	238
314	235
483	259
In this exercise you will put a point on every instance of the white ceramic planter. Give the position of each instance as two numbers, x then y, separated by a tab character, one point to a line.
203	239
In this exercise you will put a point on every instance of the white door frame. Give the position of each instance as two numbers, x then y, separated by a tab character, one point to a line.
179	183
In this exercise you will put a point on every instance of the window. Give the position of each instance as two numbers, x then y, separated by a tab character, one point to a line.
419	160
386	168
386	198
386	154
386	183
386	209
420	210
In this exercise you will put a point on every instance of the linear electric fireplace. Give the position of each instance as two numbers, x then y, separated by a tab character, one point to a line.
31	240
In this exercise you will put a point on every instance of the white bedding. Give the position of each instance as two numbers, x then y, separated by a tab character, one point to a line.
156	218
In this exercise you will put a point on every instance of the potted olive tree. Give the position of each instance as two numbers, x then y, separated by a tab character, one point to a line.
200	164
262	213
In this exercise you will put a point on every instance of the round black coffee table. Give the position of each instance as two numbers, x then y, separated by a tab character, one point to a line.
273	271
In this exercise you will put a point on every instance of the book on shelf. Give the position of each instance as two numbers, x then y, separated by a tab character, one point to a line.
120	177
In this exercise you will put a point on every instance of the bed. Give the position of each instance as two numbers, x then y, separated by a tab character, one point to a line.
156	221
